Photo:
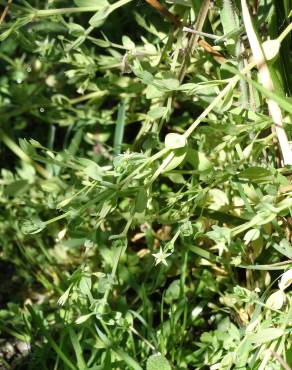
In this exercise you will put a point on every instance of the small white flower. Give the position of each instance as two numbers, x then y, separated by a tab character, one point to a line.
286	280
160	257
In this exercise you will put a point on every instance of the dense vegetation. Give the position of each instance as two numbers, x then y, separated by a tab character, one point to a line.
145	189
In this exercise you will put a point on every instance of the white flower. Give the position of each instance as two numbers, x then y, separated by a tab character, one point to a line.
286	280
160	257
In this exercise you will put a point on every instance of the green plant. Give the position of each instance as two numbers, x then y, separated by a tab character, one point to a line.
146	185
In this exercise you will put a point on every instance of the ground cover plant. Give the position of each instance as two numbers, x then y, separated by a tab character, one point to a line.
145	189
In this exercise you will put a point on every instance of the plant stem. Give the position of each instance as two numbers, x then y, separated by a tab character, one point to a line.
82	9
166	13
267	81
209	35
202	16
61	11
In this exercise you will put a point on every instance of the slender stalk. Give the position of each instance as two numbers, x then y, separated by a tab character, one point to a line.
232	82
202	16
267	81
92	95
82	9
120	127
5	11
280	360
61	11
166	13
285	33
209	35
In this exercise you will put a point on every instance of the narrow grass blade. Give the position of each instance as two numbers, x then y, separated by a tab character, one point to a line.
77	348
120	127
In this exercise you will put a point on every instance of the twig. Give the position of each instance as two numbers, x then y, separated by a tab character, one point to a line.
209	35
172	18
193	41
196	33
5	11
207	47
133	330
280	359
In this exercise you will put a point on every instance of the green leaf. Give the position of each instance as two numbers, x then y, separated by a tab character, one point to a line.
145	76
229	17
276	300
16	188
257	174
83	318
172	292
85	286
284	102
167	84
198	160
76	29
266	335
179	156
177	178
230	23
128	43
98	18
284	247
133	364
32	226
226	103
157	112
157	362
75	142
153	92
78	349
271	49
120	127
203	253
175	141
242	354
251	235
141	201
92	170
